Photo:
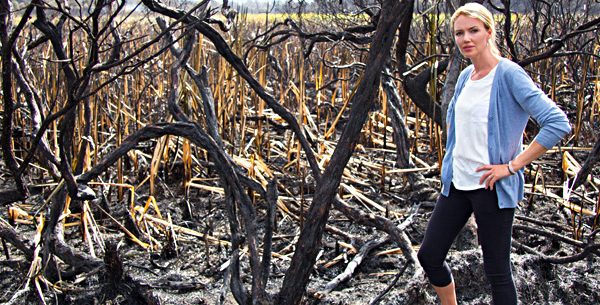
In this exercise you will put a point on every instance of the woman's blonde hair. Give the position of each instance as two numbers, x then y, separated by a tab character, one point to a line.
478	11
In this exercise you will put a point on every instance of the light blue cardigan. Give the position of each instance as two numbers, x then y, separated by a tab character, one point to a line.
514	97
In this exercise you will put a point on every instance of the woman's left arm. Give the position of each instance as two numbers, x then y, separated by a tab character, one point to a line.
553	122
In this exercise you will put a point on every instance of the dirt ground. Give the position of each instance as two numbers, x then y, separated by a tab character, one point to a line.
200	280
196	273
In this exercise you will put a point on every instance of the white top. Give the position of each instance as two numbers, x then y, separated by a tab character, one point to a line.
471	125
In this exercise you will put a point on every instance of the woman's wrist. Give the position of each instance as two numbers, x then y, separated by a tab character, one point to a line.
510	167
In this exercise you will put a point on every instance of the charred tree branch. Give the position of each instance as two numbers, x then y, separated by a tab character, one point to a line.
9	234
587	167
558	259
416	88
557	44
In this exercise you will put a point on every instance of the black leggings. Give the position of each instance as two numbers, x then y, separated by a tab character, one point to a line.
494	228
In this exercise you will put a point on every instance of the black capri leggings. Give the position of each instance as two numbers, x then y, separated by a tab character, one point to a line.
494	228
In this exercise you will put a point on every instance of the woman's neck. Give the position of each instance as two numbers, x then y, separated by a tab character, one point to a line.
483	65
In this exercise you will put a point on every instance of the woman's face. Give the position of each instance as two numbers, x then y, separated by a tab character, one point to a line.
471	36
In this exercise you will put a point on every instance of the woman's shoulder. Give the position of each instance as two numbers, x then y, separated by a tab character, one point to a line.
507	65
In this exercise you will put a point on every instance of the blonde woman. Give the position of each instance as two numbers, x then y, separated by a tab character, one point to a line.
482	167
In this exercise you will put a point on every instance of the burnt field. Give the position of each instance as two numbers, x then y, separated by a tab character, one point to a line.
192	154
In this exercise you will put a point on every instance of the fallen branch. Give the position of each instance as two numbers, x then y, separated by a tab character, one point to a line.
380	296
550	234
557	259
8	233
351	267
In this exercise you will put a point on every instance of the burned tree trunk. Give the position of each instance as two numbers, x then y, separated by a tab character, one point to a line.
309	243
8	40
422	191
